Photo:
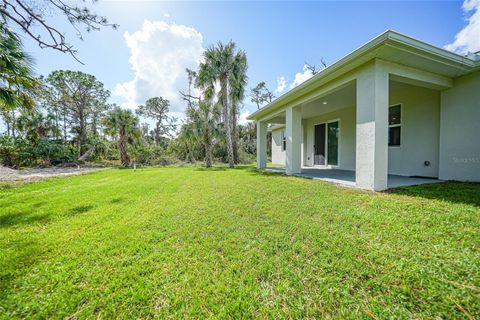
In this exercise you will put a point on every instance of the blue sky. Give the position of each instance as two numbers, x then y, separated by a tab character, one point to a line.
278	37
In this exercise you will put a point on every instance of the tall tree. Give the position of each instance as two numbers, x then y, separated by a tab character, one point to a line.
192	133
122	124
204	118
225	67
192	76
55	102
261	94
157	108
237	94
17	82
31	18
99	110
82	95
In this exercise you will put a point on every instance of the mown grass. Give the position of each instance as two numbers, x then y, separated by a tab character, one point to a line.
223	243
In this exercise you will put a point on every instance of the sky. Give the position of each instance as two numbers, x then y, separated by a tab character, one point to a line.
147	55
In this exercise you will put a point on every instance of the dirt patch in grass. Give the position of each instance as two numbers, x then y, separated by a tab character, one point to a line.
32	174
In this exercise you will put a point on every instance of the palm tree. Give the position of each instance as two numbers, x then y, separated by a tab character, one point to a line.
187	140
123	125
17	83
222	75
204	119
36	126
237	94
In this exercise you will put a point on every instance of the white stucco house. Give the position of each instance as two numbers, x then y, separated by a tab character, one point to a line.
395	106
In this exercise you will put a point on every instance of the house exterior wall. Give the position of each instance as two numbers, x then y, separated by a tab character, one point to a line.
420	127
278	156
420	133
419	141
440	127
460	130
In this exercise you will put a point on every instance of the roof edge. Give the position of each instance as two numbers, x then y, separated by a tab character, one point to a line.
388	35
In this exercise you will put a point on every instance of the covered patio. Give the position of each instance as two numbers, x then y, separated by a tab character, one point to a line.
346	178
372	119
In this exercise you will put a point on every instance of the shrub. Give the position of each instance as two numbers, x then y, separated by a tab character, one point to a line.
19	152
49	152
13	151
152	155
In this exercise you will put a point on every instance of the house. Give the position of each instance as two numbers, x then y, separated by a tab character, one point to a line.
395	106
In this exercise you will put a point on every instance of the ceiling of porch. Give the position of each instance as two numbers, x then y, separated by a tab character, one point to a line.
344	97
339	99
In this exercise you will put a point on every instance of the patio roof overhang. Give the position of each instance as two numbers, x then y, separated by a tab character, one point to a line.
389	46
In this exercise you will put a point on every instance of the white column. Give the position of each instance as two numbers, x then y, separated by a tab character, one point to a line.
261	145
293	134
372	128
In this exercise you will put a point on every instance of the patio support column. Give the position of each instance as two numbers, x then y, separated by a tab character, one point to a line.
293	132
261	145
372	128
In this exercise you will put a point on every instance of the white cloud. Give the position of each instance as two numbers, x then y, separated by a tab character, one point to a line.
468	39
243	118
159	54
300	77
166	15
281	84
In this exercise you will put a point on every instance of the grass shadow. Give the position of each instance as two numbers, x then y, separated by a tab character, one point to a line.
225	167
38	205
22	218
273	172
454	192
211	169
262	172
80	209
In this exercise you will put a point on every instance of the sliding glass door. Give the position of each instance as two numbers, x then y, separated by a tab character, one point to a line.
326	143
319	146
333	131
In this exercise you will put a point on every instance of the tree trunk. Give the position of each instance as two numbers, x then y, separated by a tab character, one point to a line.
94	124
122	148
236	157
157	134
56	123
79	149
208	148
8	127
13	123
226	123
81	134
87	154
64	124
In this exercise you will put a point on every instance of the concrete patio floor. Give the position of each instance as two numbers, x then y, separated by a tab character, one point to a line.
347	178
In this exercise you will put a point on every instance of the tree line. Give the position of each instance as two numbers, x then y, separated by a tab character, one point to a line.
66	118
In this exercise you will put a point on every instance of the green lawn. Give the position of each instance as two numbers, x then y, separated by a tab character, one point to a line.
196	243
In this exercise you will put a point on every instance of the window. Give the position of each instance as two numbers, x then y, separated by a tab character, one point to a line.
284	141
394	125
